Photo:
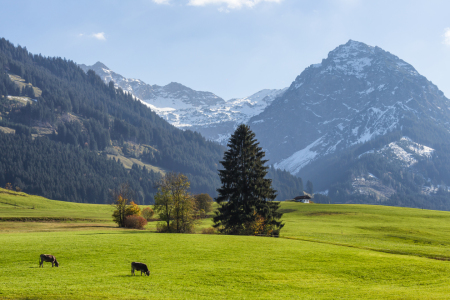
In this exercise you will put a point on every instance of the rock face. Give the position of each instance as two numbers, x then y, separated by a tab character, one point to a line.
405	153
186	108
357	93
171	95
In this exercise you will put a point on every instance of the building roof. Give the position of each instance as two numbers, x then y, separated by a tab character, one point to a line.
302	197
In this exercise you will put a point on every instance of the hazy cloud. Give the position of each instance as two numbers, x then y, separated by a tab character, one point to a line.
226	4
446	40
99	36
231	4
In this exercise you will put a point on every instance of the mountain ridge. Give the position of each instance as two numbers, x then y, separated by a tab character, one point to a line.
66	131
186	108
349	96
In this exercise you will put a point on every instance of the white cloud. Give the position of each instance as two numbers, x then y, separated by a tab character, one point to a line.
99	36
446	40
226	4
231	4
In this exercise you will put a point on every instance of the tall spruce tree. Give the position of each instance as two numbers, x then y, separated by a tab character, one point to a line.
246	197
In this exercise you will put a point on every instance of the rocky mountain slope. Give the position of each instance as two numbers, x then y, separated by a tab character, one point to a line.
185	108
357	93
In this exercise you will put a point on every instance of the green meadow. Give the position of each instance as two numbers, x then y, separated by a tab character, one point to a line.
324	252
21	205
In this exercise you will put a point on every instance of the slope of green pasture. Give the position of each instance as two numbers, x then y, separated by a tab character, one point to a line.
398	230
324	252
15	205
96	265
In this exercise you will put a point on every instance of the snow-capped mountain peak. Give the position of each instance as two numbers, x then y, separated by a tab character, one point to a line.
357	93
184	107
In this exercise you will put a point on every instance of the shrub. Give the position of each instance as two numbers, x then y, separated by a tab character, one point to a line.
132	210
161	227
147	213
208	230
203	203
136	222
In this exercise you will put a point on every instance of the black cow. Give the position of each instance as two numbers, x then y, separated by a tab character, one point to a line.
48	258
139	267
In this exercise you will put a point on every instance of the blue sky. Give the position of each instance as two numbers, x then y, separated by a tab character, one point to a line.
232	48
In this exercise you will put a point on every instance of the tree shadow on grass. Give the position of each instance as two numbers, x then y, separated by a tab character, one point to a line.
121	232
90	226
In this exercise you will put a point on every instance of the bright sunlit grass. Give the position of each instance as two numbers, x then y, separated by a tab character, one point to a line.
13	204
324	252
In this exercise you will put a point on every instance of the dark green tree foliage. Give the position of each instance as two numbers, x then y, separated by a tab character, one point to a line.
309	187
287	185
105	113
245	194
65	172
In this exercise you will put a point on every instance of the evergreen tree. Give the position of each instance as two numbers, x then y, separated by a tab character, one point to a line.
246	197
309	187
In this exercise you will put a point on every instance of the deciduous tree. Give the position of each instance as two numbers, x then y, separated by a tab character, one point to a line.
174	205
147	213
203	203
124	206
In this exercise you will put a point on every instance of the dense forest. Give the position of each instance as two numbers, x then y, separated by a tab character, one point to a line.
65	172
84	118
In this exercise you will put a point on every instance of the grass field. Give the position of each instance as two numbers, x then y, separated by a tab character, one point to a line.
20	82
128	162
324	252
21	205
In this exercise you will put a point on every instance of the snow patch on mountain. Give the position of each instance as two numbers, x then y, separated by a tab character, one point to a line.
405	151
299	159
189	109
405	157
183	114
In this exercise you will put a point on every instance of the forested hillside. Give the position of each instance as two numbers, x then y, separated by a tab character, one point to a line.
68	122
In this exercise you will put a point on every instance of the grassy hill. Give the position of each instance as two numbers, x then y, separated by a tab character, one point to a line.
325	252
14	205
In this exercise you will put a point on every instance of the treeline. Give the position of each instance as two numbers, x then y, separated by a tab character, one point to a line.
287	186
65	172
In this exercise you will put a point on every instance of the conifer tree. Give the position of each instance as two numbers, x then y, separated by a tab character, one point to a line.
246	197
309	187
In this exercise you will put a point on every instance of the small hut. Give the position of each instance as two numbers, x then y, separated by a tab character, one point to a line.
303	199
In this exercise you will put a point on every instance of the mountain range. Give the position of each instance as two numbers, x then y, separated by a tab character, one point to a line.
66	134
185	108
359	98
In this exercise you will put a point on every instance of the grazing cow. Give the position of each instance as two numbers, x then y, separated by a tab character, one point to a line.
139	267
48	258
